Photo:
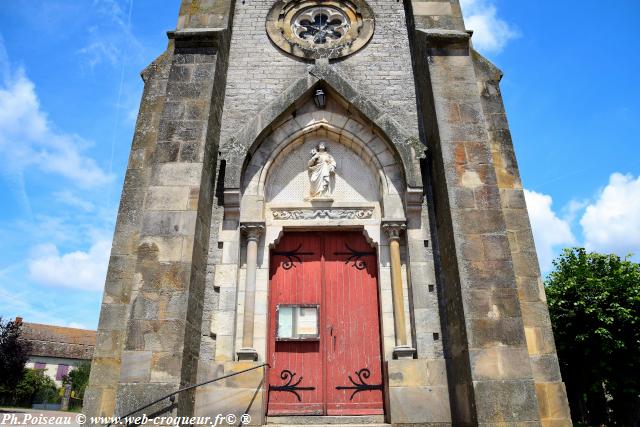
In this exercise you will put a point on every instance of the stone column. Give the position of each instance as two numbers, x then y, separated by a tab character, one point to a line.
402	349
253	232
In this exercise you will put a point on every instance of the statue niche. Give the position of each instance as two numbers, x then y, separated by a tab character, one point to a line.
322	168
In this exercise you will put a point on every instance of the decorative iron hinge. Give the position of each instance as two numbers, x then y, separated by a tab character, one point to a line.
355	257
363	374
292	257
287	375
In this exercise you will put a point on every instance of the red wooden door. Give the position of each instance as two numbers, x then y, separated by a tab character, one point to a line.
352	323
295	374
340	372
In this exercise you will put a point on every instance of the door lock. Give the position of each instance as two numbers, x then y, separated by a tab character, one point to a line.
333	336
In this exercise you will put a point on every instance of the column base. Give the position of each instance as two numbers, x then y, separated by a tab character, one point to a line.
404	352
247	354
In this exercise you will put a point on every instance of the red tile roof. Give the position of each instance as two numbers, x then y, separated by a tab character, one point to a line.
58	341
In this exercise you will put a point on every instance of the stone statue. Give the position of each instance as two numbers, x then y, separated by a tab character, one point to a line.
321	166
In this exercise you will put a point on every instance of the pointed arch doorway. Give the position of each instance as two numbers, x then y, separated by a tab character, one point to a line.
324	326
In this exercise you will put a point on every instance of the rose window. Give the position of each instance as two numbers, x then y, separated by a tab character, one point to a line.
313	29
320	25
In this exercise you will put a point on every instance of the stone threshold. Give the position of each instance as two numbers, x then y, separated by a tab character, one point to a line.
336	421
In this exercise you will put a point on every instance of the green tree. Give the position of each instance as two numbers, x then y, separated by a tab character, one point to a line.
79	378
13	354
34	386
594	303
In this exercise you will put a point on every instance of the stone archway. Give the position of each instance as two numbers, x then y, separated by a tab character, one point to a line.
243	145
370	191
360	147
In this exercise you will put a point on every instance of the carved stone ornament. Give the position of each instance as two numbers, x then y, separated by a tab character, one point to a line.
322	167
313	29
393	229
253	230
313	213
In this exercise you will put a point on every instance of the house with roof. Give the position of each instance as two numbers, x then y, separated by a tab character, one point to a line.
57	350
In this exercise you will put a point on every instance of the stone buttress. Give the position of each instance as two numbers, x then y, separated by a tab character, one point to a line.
415	119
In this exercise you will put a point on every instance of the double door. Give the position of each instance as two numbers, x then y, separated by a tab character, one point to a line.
324	328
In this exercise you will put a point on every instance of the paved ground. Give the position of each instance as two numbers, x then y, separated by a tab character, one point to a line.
38	417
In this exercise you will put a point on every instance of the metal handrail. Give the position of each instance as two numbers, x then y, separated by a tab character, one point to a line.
171	396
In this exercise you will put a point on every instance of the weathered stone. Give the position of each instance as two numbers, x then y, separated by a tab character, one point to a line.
552	400
486	333
407	373
108	343
493	303
162	223
500	363
112	317
167	198
545	368
506	401
135	366
132	396
165	367
418	405
173	306
177	174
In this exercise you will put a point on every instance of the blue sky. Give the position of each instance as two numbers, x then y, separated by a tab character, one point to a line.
70	89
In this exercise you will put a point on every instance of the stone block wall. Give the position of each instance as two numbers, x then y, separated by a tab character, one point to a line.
100	397
444	14
175	272
423	291
554	410
417	392
150	324
259	72
195	14
483	320
238	395
481	221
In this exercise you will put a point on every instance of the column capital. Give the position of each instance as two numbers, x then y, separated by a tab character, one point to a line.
393	229
253	230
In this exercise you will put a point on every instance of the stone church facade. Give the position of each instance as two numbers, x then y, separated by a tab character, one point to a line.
328	187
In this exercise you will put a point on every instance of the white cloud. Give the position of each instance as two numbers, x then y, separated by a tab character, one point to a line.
38	306
112	40
112	10
549	231
4	61
99	52
75	270
573	209
67	197
490	33
612	222
77	325
28	139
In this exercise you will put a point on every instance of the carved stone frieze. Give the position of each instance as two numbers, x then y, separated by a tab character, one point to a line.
321	213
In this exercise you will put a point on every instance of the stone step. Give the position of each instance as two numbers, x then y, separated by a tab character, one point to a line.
336	421
332	425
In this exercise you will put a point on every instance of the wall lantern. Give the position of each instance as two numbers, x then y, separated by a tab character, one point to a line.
320	99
